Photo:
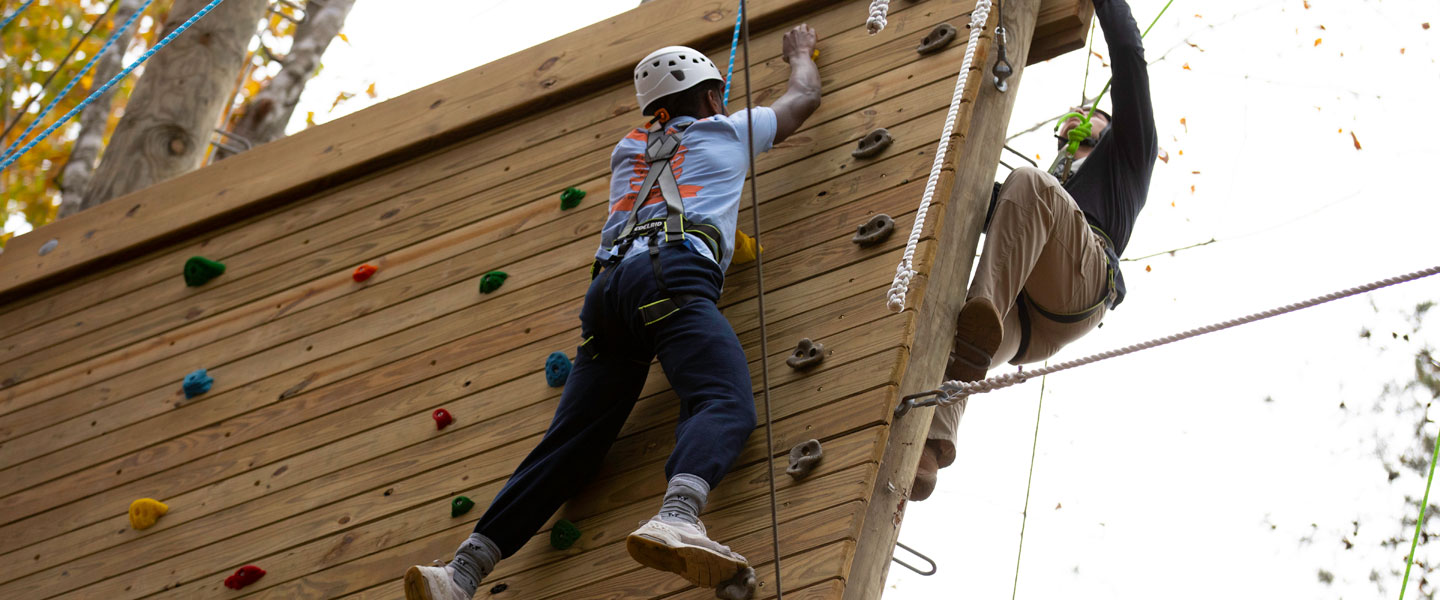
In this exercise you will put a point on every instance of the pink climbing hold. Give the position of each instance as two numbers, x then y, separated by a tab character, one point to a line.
364	272
442	418
244	576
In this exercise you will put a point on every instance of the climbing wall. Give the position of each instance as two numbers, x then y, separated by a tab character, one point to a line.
354	306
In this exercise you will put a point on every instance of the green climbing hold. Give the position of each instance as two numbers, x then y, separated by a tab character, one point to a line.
491	281
460	505
571	197
564	535
199	270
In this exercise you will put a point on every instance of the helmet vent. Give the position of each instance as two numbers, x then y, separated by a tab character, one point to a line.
678	74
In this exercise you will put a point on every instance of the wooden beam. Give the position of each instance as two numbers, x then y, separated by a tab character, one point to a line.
978	143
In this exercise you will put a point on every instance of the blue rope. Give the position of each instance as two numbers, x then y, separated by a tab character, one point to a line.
734	43
114	80
7	154
16	13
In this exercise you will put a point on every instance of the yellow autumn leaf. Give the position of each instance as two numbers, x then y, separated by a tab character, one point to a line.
342	37
310	119
341	98
370	91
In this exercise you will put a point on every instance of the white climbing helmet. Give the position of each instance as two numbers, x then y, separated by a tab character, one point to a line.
669	70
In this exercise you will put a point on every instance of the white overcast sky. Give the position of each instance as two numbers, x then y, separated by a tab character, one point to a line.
1169	472
1161	473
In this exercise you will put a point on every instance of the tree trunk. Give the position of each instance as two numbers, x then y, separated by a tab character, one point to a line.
264	116
171	115
95	118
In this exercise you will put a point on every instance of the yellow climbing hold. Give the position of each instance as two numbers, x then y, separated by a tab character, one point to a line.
746	249
145	511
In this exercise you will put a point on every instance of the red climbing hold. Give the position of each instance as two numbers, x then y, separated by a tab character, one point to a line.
442	418
244	576
364	272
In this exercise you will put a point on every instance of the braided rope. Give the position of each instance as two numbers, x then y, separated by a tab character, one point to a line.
879	9
10	159
11	16
734	44
906	270
122	30
957	390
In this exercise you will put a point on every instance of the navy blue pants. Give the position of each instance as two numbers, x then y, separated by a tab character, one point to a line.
702	360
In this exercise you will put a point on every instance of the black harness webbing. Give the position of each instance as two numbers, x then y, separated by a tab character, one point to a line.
670	230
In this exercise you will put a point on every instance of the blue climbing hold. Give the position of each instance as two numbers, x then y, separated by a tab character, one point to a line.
557	369
197	383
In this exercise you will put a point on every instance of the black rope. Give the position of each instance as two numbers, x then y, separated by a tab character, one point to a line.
58	67
760	301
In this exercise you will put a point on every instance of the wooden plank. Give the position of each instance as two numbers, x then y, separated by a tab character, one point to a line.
981	135
344	425
1061	27
367	299
846	69
500	430
744	484
415	506
523	83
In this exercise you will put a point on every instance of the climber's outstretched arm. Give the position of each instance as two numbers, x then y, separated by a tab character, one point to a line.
802	95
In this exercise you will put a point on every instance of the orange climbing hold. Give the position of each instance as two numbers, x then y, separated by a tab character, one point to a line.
442	418
244	576
364	272
145	512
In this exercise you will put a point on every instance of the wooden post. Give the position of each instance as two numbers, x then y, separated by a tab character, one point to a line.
975	148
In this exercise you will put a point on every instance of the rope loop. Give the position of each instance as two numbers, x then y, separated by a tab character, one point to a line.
879	9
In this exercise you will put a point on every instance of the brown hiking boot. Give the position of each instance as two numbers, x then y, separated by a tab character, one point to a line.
927	473
978	330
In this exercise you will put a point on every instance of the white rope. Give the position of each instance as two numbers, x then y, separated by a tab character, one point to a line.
878	10
958	390
906	270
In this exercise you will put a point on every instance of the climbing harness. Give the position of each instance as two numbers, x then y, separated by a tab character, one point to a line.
760	306
906	270
661	145
10	158
879	9
11	16
24	108
951	392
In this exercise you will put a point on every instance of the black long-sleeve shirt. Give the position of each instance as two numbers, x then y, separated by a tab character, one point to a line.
1112	184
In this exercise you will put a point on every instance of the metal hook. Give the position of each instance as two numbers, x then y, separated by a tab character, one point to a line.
227	147
933	566
922	399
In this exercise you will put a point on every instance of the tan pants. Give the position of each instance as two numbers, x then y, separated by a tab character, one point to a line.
1038	242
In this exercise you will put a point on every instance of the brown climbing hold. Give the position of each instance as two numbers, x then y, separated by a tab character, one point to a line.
804	457
878	229
807	354
740	587
873	144
937	39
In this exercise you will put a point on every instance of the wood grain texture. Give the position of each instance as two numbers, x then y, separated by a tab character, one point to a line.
966	191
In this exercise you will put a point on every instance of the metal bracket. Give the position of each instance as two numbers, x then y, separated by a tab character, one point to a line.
227	147
933	566
920	400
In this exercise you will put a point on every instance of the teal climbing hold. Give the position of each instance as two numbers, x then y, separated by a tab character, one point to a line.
491	281
199	270
460	505
564	535
571	197
557	369
196	383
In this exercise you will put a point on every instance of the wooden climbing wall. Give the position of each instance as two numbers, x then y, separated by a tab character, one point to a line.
314	456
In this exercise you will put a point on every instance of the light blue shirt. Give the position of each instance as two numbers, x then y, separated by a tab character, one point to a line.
710	168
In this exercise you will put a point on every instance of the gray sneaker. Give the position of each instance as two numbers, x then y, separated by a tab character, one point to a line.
432	583
685	550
